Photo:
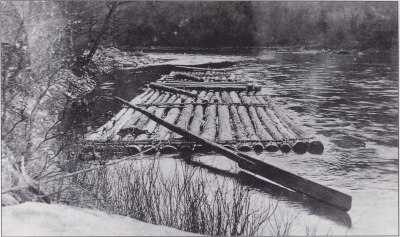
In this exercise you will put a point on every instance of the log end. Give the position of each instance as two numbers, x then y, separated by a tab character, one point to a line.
244	147
316	147
168	149
186	150
258	147
271	147
285	148
132	150
300	147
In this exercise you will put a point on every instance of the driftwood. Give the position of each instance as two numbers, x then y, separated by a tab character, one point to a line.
265	170
164	87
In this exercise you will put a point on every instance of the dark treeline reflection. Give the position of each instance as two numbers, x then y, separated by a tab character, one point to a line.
359	25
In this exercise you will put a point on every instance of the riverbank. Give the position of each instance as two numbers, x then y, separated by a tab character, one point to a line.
40	219
246	50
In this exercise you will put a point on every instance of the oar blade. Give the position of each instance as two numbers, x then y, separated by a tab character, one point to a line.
298	184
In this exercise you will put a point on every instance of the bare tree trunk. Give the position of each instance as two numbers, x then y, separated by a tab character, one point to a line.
96	44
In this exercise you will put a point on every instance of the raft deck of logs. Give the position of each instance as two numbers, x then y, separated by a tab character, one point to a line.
215	105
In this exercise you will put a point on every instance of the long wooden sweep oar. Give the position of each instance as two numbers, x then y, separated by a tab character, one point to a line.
245	162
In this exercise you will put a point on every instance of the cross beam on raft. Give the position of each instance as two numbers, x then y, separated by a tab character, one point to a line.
212	86
265	170
159	86
186	76
175	141
201	103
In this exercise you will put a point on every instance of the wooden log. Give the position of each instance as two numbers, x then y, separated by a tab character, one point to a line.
143	120
98	134
240	132
265	170
301	133
261	132
111	134
162	132
184	118
291	138
196	113
183	122
165	87
245	118
209	130
197	117
200	119
133	117
301	146
151	126
316	147
270	127
225	129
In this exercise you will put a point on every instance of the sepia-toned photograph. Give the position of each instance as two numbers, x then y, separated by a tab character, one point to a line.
184	118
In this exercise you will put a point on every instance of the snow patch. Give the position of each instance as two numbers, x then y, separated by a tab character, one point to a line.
39	219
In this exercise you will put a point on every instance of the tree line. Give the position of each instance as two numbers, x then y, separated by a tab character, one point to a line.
358	25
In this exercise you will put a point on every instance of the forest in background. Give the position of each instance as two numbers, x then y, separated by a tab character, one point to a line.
350	25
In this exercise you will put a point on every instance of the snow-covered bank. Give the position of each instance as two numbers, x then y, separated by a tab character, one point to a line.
39	219
108	58
194	59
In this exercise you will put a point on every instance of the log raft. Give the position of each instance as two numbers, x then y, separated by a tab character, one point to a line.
214	105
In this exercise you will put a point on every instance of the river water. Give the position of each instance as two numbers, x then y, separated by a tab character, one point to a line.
349	101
